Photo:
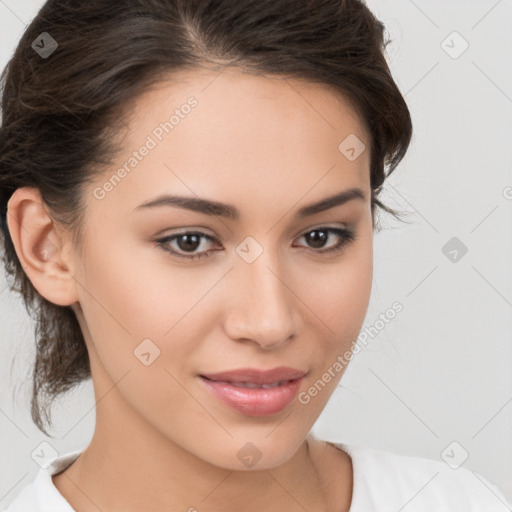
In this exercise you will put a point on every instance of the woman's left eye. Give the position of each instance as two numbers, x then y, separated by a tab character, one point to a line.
191	241
321	235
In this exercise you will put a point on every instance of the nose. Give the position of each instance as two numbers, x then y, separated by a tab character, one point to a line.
261	308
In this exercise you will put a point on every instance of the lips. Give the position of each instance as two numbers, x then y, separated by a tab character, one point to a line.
253	385
257	401
251	377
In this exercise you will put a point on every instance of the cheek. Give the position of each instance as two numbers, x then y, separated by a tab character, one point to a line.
127	302
136	292
340	306
140	331
340	295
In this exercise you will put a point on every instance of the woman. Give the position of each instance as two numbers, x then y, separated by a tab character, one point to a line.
260	134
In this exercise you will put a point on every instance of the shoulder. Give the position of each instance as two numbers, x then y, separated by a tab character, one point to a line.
41	495
386	481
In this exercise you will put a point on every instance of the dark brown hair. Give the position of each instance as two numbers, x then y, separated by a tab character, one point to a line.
60	114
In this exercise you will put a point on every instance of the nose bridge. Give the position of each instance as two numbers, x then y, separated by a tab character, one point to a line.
262	303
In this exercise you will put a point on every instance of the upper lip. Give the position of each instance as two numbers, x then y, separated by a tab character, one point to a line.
256	376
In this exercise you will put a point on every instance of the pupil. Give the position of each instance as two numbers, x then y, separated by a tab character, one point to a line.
321	238
188	238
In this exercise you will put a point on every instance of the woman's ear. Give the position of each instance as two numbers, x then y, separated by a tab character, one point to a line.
44	252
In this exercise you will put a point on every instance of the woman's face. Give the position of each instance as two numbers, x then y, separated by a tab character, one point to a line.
263	294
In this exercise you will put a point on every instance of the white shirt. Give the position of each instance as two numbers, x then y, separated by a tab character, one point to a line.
383	482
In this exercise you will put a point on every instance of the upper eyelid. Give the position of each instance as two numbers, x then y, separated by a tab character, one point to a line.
207	233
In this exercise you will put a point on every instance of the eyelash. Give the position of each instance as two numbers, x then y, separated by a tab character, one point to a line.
347	236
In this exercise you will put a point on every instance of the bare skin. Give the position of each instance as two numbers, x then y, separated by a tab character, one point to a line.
329	473
162	441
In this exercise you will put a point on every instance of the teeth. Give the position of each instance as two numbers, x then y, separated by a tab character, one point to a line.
254	385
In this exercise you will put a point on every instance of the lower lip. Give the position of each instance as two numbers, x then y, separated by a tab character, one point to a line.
255	401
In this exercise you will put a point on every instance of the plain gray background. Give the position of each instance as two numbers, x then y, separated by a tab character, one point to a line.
438	377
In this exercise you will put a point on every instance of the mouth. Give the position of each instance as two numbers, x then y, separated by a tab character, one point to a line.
251	385
254	399
256	376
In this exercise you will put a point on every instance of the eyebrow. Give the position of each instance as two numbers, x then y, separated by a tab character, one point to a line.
215	208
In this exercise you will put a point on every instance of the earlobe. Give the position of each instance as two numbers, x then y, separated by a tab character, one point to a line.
41	247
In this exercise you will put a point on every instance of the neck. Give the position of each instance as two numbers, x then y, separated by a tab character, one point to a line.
125	474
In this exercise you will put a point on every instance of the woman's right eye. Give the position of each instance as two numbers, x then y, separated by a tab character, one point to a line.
189	240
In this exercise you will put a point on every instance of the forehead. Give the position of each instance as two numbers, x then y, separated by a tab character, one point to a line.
239	97
215	133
